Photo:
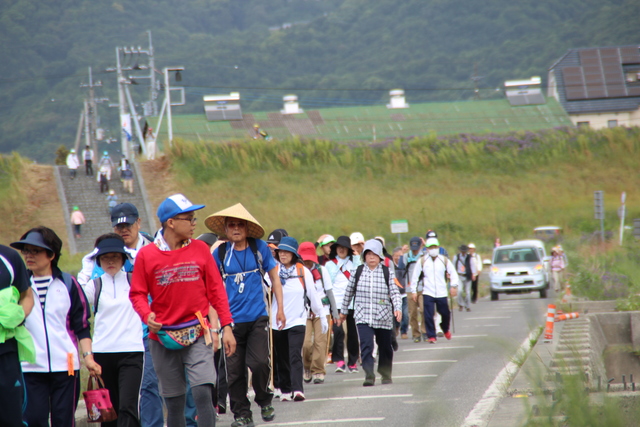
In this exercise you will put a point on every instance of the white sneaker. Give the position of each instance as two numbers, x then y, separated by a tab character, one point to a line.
277	393
307	376
298	396
286	397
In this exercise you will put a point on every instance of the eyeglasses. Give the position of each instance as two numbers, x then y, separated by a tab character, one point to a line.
32	251
191	220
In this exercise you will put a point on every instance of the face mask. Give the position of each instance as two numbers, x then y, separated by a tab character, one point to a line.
434	252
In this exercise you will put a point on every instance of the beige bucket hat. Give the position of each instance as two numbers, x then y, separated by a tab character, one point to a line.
215	222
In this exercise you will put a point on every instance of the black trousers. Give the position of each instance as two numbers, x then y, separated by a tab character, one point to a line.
288	358
122	376
11	387
385	350
474	289
252	351
54	394
88	167
353	345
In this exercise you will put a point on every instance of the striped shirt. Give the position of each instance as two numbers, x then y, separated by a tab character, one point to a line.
42	285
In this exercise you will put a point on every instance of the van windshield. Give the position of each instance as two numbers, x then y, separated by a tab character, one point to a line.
515	255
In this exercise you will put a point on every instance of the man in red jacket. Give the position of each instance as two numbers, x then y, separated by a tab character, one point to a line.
183	281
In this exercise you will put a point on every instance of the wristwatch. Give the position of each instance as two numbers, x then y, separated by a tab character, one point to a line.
231	325
86	353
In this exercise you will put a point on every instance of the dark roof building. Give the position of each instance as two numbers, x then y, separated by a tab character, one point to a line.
598	87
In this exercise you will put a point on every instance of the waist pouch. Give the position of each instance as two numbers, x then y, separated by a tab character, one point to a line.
180	336
325	301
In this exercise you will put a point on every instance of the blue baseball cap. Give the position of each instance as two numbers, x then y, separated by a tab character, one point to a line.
175	205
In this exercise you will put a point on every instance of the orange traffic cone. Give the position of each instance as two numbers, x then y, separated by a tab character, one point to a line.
567	316
548	331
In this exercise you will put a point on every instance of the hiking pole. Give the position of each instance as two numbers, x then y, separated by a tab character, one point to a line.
453	323
271	384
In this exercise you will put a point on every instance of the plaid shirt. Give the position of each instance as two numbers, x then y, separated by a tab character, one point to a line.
375	300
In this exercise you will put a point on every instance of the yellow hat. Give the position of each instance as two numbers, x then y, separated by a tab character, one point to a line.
215	222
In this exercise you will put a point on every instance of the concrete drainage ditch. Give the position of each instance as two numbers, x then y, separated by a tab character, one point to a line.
602	345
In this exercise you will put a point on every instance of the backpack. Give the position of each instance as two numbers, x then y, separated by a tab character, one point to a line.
9	268
444	261
300	276
385	271
222	252
468	273
97	282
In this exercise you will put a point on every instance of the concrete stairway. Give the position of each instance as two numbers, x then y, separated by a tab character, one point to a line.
573	353
84	192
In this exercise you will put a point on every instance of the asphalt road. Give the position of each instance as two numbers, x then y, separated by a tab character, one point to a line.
433	384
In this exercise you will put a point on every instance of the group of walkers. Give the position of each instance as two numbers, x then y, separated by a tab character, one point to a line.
105	168
183	323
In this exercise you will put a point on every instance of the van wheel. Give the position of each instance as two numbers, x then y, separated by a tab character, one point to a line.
543	293
494	296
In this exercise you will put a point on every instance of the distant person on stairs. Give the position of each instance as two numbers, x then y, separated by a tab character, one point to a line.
126	174
87	155
72	163
107	163
112	200
103	179
77	219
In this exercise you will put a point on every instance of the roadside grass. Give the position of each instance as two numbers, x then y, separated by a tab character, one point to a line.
607	272
571	404
467	188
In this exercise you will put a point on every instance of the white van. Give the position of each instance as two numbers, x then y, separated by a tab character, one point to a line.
542	252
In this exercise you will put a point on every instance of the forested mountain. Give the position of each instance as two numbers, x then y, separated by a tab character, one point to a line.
334	52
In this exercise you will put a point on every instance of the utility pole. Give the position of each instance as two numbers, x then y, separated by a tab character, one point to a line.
153	95
91	112
125	118
476	79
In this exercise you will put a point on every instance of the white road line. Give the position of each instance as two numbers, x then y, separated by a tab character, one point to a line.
438	348
470	336
379	396
424	361
481	412
487	318
336	421
395	377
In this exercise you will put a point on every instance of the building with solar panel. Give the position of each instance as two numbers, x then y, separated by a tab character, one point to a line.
598	87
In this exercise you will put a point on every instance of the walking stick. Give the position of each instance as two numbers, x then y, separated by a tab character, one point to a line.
453	323
271	384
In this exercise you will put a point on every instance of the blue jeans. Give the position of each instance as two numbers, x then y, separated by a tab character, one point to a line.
151	403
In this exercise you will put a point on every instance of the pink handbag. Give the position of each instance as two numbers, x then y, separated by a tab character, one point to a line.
99	407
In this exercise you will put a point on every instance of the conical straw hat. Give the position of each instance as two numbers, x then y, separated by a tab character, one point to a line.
215	222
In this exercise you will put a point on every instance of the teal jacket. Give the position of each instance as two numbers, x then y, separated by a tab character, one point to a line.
11	316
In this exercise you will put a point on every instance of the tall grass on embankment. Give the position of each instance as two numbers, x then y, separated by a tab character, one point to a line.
13	196
467	188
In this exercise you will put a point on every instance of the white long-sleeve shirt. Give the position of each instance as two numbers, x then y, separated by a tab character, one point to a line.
293	300
117	326
434	280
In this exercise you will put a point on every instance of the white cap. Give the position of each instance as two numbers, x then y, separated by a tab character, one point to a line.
471	246
356	238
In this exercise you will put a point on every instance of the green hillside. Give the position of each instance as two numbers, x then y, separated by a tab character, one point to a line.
468	188
375	123
333	53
